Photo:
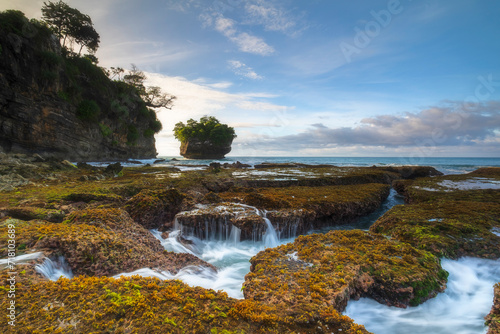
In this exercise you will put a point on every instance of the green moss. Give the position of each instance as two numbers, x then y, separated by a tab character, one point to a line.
91	304
372	266
446	228
493	319
105	130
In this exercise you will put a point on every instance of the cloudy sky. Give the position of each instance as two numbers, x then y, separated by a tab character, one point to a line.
316	77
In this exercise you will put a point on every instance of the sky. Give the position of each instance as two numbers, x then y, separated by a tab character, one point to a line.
315	78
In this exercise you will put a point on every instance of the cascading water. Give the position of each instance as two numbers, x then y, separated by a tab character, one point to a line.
460	309
54	269
270	238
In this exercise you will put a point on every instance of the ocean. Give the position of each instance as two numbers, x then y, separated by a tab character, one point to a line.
444	165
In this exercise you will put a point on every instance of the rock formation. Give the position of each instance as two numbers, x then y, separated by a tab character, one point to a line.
197	149
42	92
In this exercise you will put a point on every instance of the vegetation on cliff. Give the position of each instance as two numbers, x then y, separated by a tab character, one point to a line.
79	112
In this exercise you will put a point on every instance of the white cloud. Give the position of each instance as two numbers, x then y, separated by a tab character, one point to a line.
272	18
252	44
245	41
242	69
437	130
198	98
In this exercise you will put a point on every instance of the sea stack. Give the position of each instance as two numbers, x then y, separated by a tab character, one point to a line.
204	139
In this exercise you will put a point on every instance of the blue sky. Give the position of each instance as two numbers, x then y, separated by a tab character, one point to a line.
317	77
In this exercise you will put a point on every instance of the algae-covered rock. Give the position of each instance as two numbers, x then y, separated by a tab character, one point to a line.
318	271
118	221
148	305
296	210
482	185
153	209
445	228
493	319
93	249
30	213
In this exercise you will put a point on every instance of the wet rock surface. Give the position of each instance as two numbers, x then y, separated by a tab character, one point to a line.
493	319
450	216
326	270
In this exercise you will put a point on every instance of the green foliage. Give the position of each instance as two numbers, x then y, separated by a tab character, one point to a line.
105	130
208	128
64	95
156	126
88	110
71	25
132	135
148	133
50	58
13	21
49	75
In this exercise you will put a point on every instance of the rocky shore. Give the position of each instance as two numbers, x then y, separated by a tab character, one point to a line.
98	219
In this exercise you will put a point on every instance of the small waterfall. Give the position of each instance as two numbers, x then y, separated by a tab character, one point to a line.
53	270
216	224
270	238
235	235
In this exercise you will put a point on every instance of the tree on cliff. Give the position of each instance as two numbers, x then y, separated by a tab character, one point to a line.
152	95
70	24
207	129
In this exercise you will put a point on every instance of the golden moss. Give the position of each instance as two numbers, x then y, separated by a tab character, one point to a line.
152	208
308	197
318	271
92	249
446	228
148	305
493	319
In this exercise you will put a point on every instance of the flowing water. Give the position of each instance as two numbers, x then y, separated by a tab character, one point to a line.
460	310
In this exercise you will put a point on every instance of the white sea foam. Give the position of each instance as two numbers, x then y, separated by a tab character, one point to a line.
459	310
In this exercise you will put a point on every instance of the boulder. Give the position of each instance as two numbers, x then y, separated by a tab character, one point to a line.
326	270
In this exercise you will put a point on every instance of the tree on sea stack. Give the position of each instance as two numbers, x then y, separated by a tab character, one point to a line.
206	139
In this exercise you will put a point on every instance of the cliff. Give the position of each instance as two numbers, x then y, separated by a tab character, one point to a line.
198	149
61	105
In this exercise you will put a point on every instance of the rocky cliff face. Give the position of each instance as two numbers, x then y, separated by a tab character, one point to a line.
42	91
197	149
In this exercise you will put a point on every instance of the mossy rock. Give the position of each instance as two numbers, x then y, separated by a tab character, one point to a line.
92	250
493	319
318	271
148	305
312	198
482	185
118	221
154	209
30	213
449	229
